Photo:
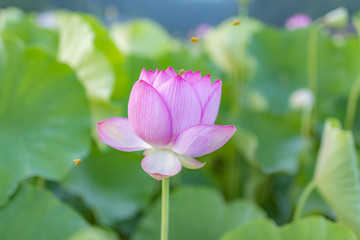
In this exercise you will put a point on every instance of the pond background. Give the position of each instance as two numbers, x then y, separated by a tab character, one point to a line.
181	16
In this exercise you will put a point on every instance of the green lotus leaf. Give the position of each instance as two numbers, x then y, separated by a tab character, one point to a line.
13	22
226	45
311	228
198	213
276	143
355	90
45	122
94	233
254	230
141	37
35	214
86	46
77	48
113	184
337	174
337	18
104	42
282	67
356	22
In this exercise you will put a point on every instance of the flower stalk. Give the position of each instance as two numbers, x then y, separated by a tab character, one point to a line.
306	122
312	60
302	200
351	105
165	208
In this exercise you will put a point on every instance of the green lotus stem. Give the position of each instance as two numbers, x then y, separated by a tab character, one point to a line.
165	208
351	105
302	200
306	122
312	60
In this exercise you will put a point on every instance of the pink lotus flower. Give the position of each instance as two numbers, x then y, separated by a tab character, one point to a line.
172	118
298	21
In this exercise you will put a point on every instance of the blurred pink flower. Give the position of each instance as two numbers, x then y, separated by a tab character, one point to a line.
298	21
202	29
172	118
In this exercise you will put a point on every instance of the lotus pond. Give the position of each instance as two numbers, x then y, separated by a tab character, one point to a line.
290	171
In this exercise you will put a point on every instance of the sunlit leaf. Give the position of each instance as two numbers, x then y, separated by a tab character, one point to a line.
85	45
356	21
198	213
141	37
104	43
13	22
226	44
311	228
77	48
94	233
44	116
337	174
254	230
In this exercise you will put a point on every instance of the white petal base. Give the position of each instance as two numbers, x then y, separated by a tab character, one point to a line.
190	162
161	164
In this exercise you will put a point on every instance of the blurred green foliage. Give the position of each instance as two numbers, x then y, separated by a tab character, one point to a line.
308	228
61	74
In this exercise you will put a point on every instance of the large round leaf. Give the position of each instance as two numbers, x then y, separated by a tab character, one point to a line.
35	214
312	228
77	48
44	116
337	174
94	233
106	45
278	141
198	213
113	184
141	37
281	65
226	44
14	22
85	45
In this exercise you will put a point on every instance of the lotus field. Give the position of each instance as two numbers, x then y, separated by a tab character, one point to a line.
124	132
